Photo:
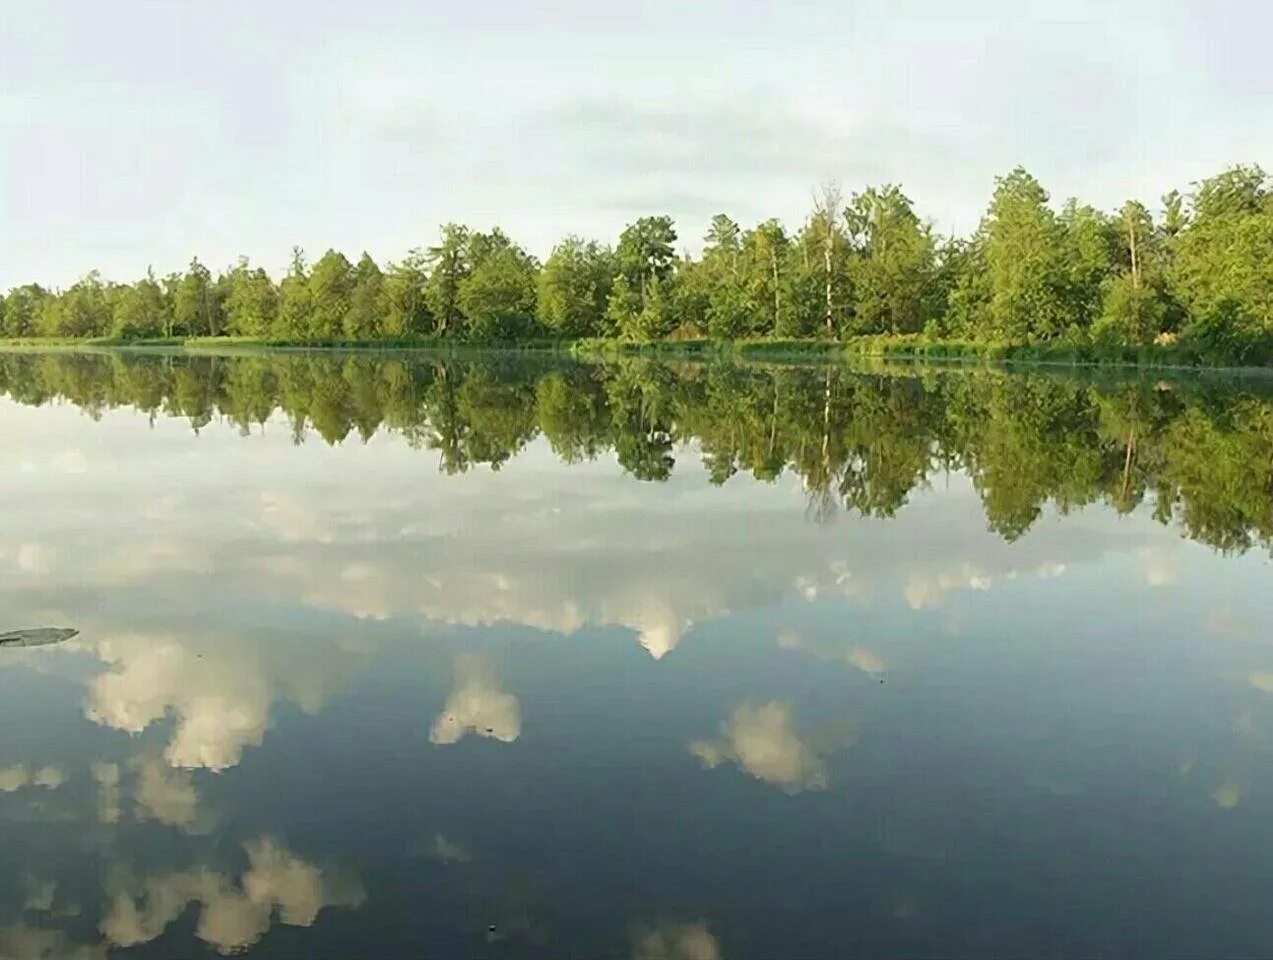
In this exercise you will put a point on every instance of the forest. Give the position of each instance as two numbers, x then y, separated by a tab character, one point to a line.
1194	275
1198	453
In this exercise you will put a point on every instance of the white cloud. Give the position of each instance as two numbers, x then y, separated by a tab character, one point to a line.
233	916
106	776
862	658
18	777
762	739
477	705
676	941
27	942
164	794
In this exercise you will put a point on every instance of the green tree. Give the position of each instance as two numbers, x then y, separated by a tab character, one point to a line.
722	271
22	310
368	301
406	310
296	303
574	287
497	297
194	307
139	310
1025	262
83	310
330	287
1091	242
765	252
251	302
892	264
1222	270
449	264
645	255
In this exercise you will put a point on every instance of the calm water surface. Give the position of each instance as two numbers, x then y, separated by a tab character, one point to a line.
493	658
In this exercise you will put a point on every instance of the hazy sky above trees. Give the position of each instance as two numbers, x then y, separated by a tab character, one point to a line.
138	133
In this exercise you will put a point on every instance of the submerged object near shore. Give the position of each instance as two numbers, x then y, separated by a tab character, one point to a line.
36	636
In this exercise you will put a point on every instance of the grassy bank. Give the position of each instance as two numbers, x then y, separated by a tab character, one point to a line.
1058	353
220	343
901	347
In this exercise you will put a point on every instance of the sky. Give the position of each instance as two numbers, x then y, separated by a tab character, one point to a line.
142	132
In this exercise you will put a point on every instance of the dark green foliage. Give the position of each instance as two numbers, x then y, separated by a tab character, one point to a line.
1194	284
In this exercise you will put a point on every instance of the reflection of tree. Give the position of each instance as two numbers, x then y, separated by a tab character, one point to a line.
1200	453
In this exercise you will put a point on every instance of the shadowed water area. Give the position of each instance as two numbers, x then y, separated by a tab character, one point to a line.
496	656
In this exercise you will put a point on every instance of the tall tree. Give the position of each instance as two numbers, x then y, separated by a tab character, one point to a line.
1025	261
498	295
1223	265
367	301
251	302
296	303
406	311
22	310
330	285
193	305
765	251
449	264
574	286
892	264
721	268
139	310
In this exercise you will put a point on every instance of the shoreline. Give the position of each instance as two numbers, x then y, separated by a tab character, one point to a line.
943	353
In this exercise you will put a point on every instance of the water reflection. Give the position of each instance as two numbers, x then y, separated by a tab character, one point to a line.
875	648
1196	449
233	913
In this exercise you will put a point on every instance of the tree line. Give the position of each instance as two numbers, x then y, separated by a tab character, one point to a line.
1198	269
1199	456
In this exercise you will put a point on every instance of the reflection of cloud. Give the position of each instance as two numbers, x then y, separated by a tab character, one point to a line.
33	559
164	794
17	777
25	942
763	741
1261	679
676	941
233	916
40	895
1228	795
477	704
140	561
1159	566
929	589
293	520
70	461
863	658
221	704
448	850
106	776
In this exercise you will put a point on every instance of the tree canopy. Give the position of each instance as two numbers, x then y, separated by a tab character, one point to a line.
1197	269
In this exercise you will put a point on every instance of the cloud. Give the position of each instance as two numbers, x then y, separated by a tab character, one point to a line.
164	794
763	741
862	658
676	941
448	850
233	916
1227	795
219	688
18	777
477	705
1160	565
1262	680
26	942
221	704
106	776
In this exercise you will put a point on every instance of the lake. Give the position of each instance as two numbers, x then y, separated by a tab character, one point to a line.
493	656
